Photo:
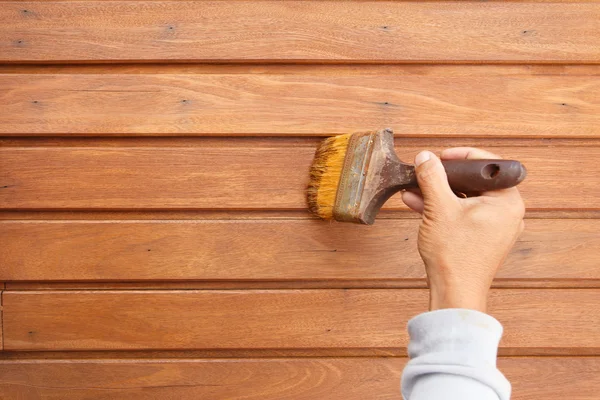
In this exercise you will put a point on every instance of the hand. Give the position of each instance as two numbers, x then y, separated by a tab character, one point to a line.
462	241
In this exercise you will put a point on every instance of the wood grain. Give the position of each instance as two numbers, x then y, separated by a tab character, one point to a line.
205	379
355	318
551	378
368	31
240	178
185	257
418	101
278	250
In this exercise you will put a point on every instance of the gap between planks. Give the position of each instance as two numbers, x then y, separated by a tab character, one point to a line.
280	141
291	284
247	354
438	69
176	216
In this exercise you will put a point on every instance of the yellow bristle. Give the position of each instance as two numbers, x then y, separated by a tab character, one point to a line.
325	175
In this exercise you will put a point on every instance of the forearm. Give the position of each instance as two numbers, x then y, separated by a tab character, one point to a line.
453	356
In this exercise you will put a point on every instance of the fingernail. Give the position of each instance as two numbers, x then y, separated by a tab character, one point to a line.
422	157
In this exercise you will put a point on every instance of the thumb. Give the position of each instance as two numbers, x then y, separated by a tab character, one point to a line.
433	182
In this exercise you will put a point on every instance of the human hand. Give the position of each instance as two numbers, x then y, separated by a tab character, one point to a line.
462	241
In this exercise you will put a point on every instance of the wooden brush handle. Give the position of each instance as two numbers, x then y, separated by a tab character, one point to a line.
468	176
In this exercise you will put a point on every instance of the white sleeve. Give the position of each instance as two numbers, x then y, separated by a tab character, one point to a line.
453	356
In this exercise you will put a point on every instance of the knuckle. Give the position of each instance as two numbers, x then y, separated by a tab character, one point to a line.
478	154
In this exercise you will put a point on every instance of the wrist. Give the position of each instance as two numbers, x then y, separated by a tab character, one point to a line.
443	299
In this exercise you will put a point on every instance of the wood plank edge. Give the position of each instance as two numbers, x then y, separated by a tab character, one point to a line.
287	285
319	135
183	216
284	285
152	355
305	61
281	141
240	211
287	68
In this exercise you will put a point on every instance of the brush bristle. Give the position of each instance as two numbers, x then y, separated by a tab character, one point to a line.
325	175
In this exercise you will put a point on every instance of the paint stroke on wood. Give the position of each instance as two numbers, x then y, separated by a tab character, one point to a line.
273	31
550	378
240	178
278	250
552	319
415	102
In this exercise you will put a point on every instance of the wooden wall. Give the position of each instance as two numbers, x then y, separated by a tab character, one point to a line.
153	160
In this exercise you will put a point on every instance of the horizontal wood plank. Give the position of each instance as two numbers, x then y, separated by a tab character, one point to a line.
550	378
278	250
240	178
355	318
418	101
88	31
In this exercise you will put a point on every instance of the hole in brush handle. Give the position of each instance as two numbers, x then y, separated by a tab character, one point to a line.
490	171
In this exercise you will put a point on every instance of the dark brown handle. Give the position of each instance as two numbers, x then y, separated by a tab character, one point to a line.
482	175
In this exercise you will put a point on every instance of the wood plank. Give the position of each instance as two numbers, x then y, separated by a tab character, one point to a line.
337	378
53	31
278	250
551	378
415	102
240	178
373	318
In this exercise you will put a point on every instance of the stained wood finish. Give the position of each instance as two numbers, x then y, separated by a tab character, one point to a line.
299	31
353	318
278	250
417	101
551	378
152	254
240	178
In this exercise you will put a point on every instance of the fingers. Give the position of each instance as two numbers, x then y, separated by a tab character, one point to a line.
433	182
468	153
414	201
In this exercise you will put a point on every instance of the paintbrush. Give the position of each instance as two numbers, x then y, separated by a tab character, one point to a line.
353	175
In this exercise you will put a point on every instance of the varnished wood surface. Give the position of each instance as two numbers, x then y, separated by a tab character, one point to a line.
276	250
552	378
431	101
240	178
303	319
366	31
153	161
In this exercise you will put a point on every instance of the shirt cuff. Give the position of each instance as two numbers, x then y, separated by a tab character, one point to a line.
470	333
